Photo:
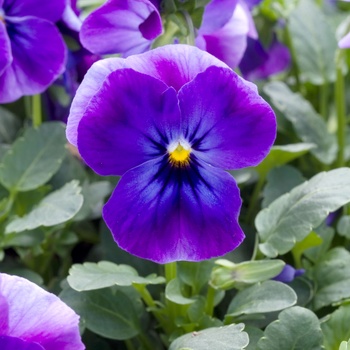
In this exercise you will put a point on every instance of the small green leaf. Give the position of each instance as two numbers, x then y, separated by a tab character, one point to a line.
343	226
296	329
280	155
8	127
34	158
110	315
262	297
336	328
344	345
307	123
229	337
254	335
310	241
332	278
90	276
228	275
280	181
56	208
310	203
314	43
173	293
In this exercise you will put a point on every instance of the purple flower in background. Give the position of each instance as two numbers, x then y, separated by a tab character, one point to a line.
288	274
129	25
260	63
33	319
170	121
32	51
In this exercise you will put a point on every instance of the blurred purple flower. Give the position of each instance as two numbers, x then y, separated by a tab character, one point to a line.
170	121
260	63
33	319
32	51
70	16
129	25
288	274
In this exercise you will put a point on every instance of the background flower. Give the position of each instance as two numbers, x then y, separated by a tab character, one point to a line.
194	117
32	51
33	319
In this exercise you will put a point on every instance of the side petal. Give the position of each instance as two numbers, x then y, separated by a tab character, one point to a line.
51	10
130	25
11	343
130	120
227	123
38	316
163	213
175	65
229	42
5	45
39	55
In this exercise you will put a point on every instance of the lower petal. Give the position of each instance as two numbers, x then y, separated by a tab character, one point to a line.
39	55
5	46
11	343
165	214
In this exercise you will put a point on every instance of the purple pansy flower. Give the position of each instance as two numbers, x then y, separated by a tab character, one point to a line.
32	51
260	63
170	121
288	274
129	25
33	319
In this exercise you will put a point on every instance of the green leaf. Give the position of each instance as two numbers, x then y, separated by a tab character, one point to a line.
262	297
280	155
344	345
296	329
56	208
307	123
90	276
310	241
8	127
34	158
110	315
336	329
314	43
291	217
195	274
280	181
227	274
332	278
173	293
343	226
254	335
229	337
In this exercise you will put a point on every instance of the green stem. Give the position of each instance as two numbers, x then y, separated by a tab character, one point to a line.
9	205
170	271
36	110
255	197
324	100
209	305
341	113
145	341
129	344
191	33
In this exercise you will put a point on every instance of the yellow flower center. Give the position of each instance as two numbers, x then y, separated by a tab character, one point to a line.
179	154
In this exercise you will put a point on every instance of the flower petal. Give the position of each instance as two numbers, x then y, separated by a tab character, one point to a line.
175	65
4	308
227	123
51	10
130	25
165	214
39	55
130	120
229	42
344	43
6	55
38	316
11	343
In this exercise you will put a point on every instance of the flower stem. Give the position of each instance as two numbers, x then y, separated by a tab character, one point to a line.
170	271
36	110
254	198
191	33
341	115
209	305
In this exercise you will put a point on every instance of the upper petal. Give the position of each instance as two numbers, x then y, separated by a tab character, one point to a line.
39	55
5	55
227	123
175	65
130	25
11	343
165	214
130	120
51	10
38	316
